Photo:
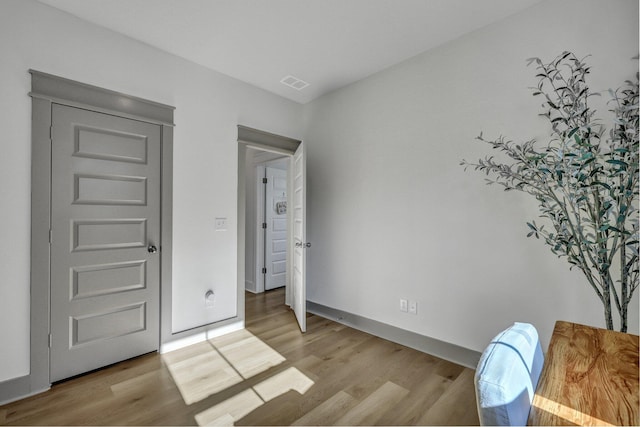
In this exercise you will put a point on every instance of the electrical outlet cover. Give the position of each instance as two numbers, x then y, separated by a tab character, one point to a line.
413	307
221	224
209	298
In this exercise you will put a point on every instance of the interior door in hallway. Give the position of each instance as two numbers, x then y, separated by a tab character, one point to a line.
276	231
299	233
105	235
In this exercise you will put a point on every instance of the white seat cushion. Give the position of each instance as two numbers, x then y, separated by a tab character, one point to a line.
507	376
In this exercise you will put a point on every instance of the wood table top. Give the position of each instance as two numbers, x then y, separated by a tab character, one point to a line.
590	377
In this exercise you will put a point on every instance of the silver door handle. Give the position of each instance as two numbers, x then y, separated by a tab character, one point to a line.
303	245
152	249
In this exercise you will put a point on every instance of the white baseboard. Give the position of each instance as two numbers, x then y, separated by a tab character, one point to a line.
250	286
200	336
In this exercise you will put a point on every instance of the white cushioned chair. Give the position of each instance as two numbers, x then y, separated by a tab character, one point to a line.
507	376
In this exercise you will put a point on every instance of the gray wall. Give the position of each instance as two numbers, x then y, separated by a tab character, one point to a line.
392	215
209	106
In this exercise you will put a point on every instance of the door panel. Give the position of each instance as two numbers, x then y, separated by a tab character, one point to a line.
116	322
109	190
105	202
299	258
91	235
102	279
276	232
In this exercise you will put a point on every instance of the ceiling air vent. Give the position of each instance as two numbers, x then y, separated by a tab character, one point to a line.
294	82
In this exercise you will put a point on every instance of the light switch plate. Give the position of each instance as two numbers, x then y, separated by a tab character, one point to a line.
221	224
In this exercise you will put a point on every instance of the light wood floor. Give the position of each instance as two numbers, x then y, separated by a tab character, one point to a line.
268	374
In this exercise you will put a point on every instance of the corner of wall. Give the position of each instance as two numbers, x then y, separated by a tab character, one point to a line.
444	350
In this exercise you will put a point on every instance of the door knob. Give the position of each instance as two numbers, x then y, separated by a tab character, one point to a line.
303	245
152	249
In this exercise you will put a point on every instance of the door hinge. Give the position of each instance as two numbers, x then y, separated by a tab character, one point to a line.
264	180
264	270
50	234
50	340
264	225
51	133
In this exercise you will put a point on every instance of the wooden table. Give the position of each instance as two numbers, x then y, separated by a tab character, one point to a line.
590	377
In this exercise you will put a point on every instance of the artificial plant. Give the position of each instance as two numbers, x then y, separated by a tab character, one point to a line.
585	180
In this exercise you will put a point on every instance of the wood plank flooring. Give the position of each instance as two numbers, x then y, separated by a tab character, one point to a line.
268	374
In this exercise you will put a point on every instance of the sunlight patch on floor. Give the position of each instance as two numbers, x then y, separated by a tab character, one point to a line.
236	407
204	369
289	379
247	353
202	375
231	410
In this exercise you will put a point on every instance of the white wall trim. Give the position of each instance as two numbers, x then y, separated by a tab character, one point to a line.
258	258
201	336
444	350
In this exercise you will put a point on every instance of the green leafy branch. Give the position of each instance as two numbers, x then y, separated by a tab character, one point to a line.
586	184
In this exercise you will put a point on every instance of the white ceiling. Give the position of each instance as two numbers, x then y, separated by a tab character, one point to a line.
327	43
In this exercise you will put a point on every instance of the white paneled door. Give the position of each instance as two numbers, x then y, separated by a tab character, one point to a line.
276	231
299	244
105	234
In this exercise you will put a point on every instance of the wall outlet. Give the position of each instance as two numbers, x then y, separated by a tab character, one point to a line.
221	224
404	305
413	307
209	298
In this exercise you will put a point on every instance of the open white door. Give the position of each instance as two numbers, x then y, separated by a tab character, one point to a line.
298	244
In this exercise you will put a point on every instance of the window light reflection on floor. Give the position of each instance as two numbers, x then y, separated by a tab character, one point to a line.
207	368
202	374
204	369
236	407
247	353
231	410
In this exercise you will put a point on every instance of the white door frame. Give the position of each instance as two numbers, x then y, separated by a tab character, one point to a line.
264	141
47	90
259	241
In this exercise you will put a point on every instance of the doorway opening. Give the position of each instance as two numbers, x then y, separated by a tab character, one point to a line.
260	151
266	240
